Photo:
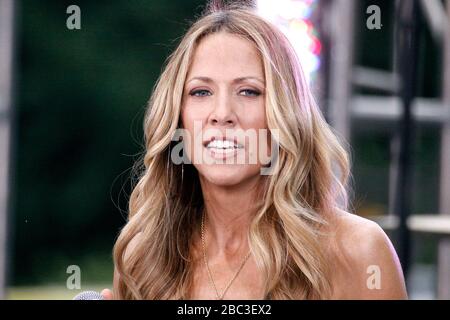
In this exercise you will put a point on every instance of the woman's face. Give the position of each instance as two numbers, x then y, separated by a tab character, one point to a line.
224	98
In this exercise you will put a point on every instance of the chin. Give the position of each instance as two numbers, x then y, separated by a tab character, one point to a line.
226	175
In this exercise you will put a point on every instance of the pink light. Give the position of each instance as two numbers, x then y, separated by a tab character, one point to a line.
292	17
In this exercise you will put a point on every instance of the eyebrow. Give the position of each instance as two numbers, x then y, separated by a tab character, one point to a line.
237	80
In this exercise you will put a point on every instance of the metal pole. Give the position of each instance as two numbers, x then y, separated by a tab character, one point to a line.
6	61
407	27
324	74
342	35
443	286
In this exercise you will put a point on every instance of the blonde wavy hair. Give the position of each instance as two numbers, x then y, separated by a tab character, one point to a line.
298	200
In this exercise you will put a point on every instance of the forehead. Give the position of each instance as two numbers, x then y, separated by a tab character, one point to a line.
226	55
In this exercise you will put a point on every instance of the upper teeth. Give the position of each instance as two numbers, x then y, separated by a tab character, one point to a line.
222	144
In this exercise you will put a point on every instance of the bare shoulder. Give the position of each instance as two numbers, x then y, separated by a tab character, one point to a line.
368	266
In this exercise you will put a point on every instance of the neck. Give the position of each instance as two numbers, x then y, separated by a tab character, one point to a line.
228	214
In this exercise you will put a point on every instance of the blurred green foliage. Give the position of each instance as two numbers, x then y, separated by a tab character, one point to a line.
80	97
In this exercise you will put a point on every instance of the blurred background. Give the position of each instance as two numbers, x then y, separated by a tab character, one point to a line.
75	77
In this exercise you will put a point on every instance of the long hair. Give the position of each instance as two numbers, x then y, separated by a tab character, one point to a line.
287	235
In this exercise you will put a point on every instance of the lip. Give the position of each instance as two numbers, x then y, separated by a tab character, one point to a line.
221	154
234	140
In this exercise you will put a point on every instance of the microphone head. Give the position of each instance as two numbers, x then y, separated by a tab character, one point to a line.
88	295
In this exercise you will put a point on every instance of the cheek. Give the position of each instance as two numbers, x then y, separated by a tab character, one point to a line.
262	147
253	115
253	120
191	115
184	117
192	143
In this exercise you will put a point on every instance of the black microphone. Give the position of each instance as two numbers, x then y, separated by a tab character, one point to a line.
88	295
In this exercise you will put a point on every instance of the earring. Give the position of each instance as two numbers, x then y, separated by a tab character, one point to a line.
182	162
182	173
168	159
170	174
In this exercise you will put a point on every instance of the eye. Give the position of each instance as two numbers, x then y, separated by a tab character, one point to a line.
250	92
200	93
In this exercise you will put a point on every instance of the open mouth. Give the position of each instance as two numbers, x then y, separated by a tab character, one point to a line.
222	147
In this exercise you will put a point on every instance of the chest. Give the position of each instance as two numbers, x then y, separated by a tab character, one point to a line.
248	284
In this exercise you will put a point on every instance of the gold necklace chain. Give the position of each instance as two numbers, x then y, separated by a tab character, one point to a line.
219	296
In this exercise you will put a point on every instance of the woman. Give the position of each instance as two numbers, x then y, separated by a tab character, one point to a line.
214	230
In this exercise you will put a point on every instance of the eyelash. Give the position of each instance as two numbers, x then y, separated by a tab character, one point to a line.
254	93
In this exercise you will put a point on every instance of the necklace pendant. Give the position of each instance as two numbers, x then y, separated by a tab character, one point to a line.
219	296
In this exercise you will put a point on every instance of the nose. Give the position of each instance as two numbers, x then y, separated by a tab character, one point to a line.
223	114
